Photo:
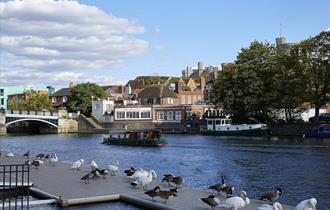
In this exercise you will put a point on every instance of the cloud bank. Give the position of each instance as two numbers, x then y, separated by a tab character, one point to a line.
63	38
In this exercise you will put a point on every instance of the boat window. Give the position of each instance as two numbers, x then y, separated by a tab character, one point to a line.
236	128
227	128
217	122
226	122
327	128
222	122
250	127
321	129
209	122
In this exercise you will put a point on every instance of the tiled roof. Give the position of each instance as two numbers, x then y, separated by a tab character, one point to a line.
157	91
62	92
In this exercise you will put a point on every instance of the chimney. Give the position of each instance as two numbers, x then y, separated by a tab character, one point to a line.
71	85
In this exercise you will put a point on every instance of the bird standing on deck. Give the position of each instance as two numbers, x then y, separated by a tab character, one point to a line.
103	172
144	180
27	154
10	154
178	181
41	155
272	196
53	159
93	165
78	164
87	178
218	187
168	178
166	195
236	202
212	201
114	168
275	206
130	172
153	193
308	204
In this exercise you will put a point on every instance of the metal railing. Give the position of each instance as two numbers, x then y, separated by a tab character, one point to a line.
14	186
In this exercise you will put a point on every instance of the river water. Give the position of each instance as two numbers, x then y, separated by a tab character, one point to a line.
257	165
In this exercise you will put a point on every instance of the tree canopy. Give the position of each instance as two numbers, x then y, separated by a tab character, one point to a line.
32	100
265	80
81	97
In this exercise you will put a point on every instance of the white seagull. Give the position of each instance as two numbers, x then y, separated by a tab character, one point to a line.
93	165
78	164
53	159
236	202
308	204
114	168
275	206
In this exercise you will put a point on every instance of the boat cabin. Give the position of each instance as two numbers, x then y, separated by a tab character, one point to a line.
225	124
135	135
215	123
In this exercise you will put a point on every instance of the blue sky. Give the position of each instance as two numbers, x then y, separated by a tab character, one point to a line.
176	34
213	31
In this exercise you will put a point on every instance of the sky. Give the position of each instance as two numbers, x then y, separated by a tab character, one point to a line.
46	42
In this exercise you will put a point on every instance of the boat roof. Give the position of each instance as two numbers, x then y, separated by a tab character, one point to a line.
134	131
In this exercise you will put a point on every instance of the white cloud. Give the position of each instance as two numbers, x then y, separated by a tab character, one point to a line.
63	78
47	35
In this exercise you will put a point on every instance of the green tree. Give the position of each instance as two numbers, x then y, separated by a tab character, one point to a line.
33	101
289	84
315	57
36	100
15	103
81	97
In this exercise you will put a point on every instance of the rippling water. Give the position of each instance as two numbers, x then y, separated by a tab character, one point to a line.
256	165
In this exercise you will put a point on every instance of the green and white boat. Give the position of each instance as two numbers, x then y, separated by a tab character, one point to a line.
224	127
145	138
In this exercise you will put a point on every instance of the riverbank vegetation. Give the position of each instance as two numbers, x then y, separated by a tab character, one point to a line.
265	80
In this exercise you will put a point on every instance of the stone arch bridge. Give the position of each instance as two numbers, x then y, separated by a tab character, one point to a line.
62	121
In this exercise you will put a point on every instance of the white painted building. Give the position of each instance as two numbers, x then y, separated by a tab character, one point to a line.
102	110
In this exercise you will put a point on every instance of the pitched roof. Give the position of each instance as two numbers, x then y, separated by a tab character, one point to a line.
62	92
157	91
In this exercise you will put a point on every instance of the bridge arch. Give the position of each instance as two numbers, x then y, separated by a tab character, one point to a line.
40	120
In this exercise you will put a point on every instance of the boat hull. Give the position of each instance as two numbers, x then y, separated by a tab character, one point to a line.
248	132
142	143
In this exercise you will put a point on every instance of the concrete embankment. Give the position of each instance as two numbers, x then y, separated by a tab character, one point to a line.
62	183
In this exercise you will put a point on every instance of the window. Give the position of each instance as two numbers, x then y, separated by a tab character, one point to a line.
160	115
170	115
209	122
2	92
132	114
194	99
120	115
183	99
189	100
217	122
2	101
177	115
170	100
145	115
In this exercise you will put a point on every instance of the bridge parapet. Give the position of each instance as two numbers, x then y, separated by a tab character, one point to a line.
27	112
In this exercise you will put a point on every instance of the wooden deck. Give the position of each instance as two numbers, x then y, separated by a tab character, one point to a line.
62	183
